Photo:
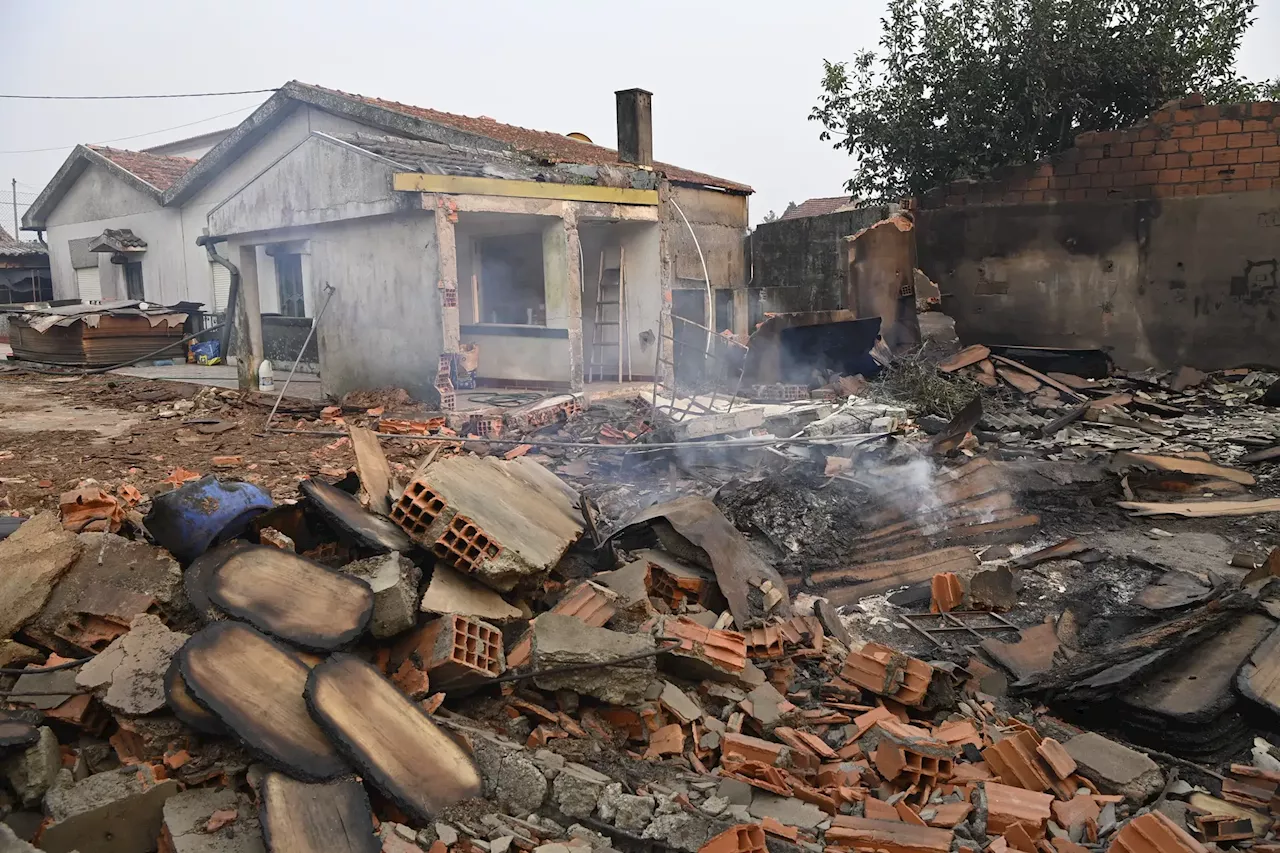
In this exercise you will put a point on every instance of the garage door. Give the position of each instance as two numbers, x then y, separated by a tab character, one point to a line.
221	288
88	285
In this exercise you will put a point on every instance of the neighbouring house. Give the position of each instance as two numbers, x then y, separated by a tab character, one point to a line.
1158	243
432	232
817	207
24	271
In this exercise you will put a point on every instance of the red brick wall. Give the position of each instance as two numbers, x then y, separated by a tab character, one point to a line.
1192	149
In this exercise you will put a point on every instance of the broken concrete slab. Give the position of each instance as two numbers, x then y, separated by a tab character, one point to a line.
188	817
11	843
120	811
499	521
111	571
35	557
678	703
628	812
14	655
395	582
786	810
1114	768
560	640
129	673
32	772
577	789
450	591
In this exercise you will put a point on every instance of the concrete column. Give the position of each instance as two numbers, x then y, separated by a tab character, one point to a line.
446	216
248	321
667	220
562	278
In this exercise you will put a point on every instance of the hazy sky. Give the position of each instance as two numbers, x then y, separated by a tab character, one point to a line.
733	82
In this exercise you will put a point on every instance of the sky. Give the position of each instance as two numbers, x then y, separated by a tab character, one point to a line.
732	83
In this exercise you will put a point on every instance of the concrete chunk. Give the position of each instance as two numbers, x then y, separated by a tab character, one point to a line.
187	819
450	591
565	640
786	810
577	789
130	672
1114	768
395	581
33	772
678	702
34	557
120	811
11	843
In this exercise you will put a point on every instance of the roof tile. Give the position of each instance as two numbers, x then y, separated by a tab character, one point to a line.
159	170
816	207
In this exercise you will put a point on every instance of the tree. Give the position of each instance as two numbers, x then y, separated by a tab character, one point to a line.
960	87
773	216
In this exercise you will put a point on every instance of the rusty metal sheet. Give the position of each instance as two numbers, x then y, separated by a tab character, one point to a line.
739	571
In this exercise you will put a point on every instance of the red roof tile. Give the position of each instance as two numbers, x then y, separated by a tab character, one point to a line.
158	170
816	207
551	147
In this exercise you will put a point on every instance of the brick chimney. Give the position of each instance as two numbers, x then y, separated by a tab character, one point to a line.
635	126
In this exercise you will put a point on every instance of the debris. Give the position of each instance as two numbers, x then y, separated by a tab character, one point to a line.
753	588
388	739
32	772
887	672
1202	509
330	817
563	641
374	470
395	582
1155	831
452	650
964	358
34	557
254	686
129	674
119	811
90	509
946	593
192	517
1115	768
1125	460
204	820
451	591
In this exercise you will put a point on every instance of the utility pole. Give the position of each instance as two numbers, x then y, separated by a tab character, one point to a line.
14	184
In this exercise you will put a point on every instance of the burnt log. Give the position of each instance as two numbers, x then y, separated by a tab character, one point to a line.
291	597
255	685
316	817
184	706
391	741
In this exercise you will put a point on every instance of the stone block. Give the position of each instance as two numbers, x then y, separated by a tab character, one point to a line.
564	640
34	771
35	557
1114	768
395	581
120	811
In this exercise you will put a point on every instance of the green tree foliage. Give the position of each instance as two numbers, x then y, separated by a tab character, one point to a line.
960	87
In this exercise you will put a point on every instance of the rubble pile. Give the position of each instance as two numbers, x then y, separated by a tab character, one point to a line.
874	628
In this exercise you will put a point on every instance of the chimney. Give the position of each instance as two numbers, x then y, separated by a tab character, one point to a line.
635	126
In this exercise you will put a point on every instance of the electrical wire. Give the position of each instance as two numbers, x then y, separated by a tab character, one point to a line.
36	670
134	97
134	136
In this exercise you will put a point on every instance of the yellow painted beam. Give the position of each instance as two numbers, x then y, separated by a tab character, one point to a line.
457	185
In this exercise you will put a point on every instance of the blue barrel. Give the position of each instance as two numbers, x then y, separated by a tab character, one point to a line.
190	519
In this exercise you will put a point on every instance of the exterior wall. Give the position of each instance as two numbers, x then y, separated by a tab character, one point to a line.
194	146
797	264
639	242
99	200
238	175
383	327
1128	242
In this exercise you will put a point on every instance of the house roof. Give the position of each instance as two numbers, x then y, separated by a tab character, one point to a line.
10	247
158	170
548	146
817	207
152	174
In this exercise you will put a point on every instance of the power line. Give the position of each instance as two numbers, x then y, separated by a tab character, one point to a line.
133	97
136	135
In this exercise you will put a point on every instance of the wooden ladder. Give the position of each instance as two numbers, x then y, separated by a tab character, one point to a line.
611	293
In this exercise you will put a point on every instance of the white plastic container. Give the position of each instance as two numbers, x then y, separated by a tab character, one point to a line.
266	382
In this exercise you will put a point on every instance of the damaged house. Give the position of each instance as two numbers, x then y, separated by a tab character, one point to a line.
534	252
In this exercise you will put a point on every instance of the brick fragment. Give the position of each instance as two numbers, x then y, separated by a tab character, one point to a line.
892	836
1154	831
1007	805
742	838
1015	761
1224	827
911	754
946	592
453	648
1077	810
888	672
1059	761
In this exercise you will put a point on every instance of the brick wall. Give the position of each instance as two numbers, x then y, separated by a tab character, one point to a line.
1184	150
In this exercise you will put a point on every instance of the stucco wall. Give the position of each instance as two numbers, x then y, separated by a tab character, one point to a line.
719	220
1160	282
796	263
99	200
383	326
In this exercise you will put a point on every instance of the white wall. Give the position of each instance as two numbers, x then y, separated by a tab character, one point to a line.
99	200
644	289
